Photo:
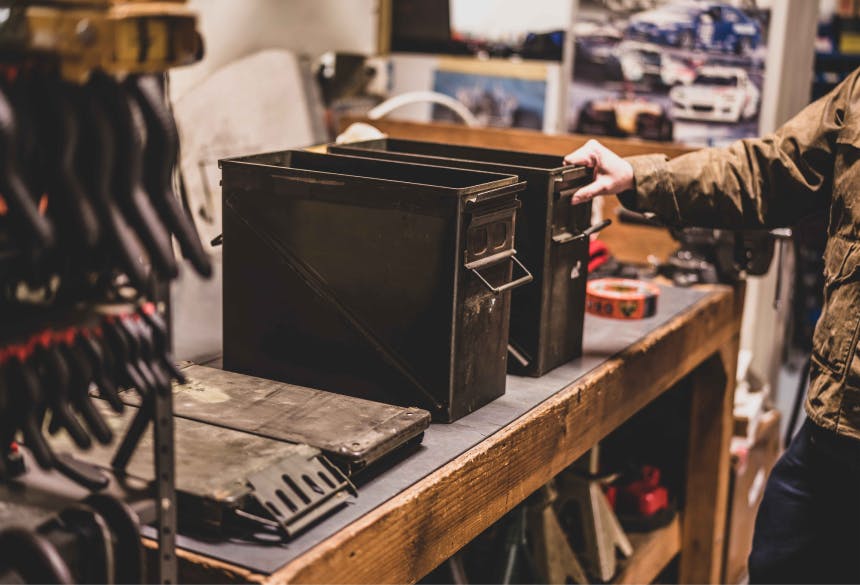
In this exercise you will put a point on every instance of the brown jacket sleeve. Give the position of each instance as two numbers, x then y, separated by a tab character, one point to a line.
764	182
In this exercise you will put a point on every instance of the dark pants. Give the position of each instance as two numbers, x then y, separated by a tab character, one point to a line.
808	525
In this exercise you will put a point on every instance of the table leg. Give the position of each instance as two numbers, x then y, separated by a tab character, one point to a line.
708	460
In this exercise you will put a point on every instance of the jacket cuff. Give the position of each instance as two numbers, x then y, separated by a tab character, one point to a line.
650	178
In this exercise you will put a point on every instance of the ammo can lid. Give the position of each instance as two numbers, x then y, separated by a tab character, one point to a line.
474	157
453	181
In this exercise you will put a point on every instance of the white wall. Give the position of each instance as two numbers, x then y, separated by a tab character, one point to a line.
255	105
235	28
501	19
789	65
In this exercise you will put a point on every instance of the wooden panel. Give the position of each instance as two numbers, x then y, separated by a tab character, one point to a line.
652	552
707	487
531	70
629	243
409	535
383	23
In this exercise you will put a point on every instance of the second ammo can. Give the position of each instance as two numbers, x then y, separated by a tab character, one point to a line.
384	280
547	316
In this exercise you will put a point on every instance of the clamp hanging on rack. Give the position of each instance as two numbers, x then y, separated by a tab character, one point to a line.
87	213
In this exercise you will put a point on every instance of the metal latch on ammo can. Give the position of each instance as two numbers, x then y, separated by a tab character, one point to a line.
561	224
490	240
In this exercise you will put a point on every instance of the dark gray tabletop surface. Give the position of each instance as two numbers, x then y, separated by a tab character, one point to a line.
442	443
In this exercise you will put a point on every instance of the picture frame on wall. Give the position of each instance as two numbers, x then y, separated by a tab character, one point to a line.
670	70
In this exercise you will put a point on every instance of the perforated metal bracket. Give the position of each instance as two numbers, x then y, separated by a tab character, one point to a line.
300	489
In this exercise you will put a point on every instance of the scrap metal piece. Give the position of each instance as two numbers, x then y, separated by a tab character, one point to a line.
300	489
353	432
225	477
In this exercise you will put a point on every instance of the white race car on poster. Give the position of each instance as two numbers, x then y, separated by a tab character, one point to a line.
717	94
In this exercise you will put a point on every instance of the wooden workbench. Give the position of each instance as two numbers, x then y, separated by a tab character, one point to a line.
469	474
416	526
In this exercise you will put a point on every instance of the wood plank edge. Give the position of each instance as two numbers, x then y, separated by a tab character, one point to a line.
652	553
327	561
708	467
196	568
512	138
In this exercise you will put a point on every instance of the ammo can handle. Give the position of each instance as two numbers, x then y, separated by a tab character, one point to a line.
565	237
570	173
508	286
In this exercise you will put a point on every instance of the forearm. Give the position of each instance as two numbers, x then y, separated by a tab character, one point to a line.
753	183
744	186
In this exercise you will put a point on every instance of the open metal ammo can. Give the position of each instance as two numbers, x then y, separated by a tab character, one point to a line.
383	280
546	317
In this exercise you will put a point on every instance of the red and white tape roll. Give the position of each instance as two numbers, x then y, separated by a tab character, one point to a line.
621	298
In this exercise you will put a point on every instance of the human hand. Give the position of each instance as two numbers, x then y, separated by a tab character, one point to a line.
612	174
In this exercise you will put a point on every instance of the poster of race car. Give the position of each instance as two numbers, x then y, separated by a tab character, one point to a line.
502	102
689	71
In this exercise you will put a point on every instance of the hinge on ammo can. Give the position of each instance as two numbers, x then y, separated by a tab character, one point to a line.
490	240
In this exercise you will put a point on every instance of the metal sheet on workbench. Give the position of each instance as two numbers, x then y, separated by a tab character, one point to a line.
215	470
352	430
212	463
443	442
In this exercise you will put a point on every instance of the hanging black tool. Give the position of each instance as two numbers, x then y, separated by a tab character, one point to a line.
87	214
96	159
94	542
162	146
27	405
8	430
129	353
136	335
32	557
160	339
28	225
56	125
80	377
125	371
137	329
128	131
125	527
102	367
28	149
157	382
55	380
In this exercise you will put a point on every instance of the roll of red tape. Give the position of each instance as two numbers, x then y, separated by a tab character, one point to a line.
621	298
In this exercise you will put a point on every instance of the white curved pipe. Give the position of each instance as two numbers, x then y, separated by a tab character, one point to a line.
416	97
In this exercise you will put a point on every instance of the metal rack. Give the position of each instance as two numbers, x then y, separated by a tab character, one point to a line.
96	66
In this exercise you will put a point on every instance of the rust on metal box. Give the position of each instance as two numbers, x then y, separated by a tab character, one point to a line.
351	430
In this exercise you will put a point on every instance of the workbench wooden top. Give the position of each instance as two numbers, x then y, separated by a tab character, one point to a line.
420	509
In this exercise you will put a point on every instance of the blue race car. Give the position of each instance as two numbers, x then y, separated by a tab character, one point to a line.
697	25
